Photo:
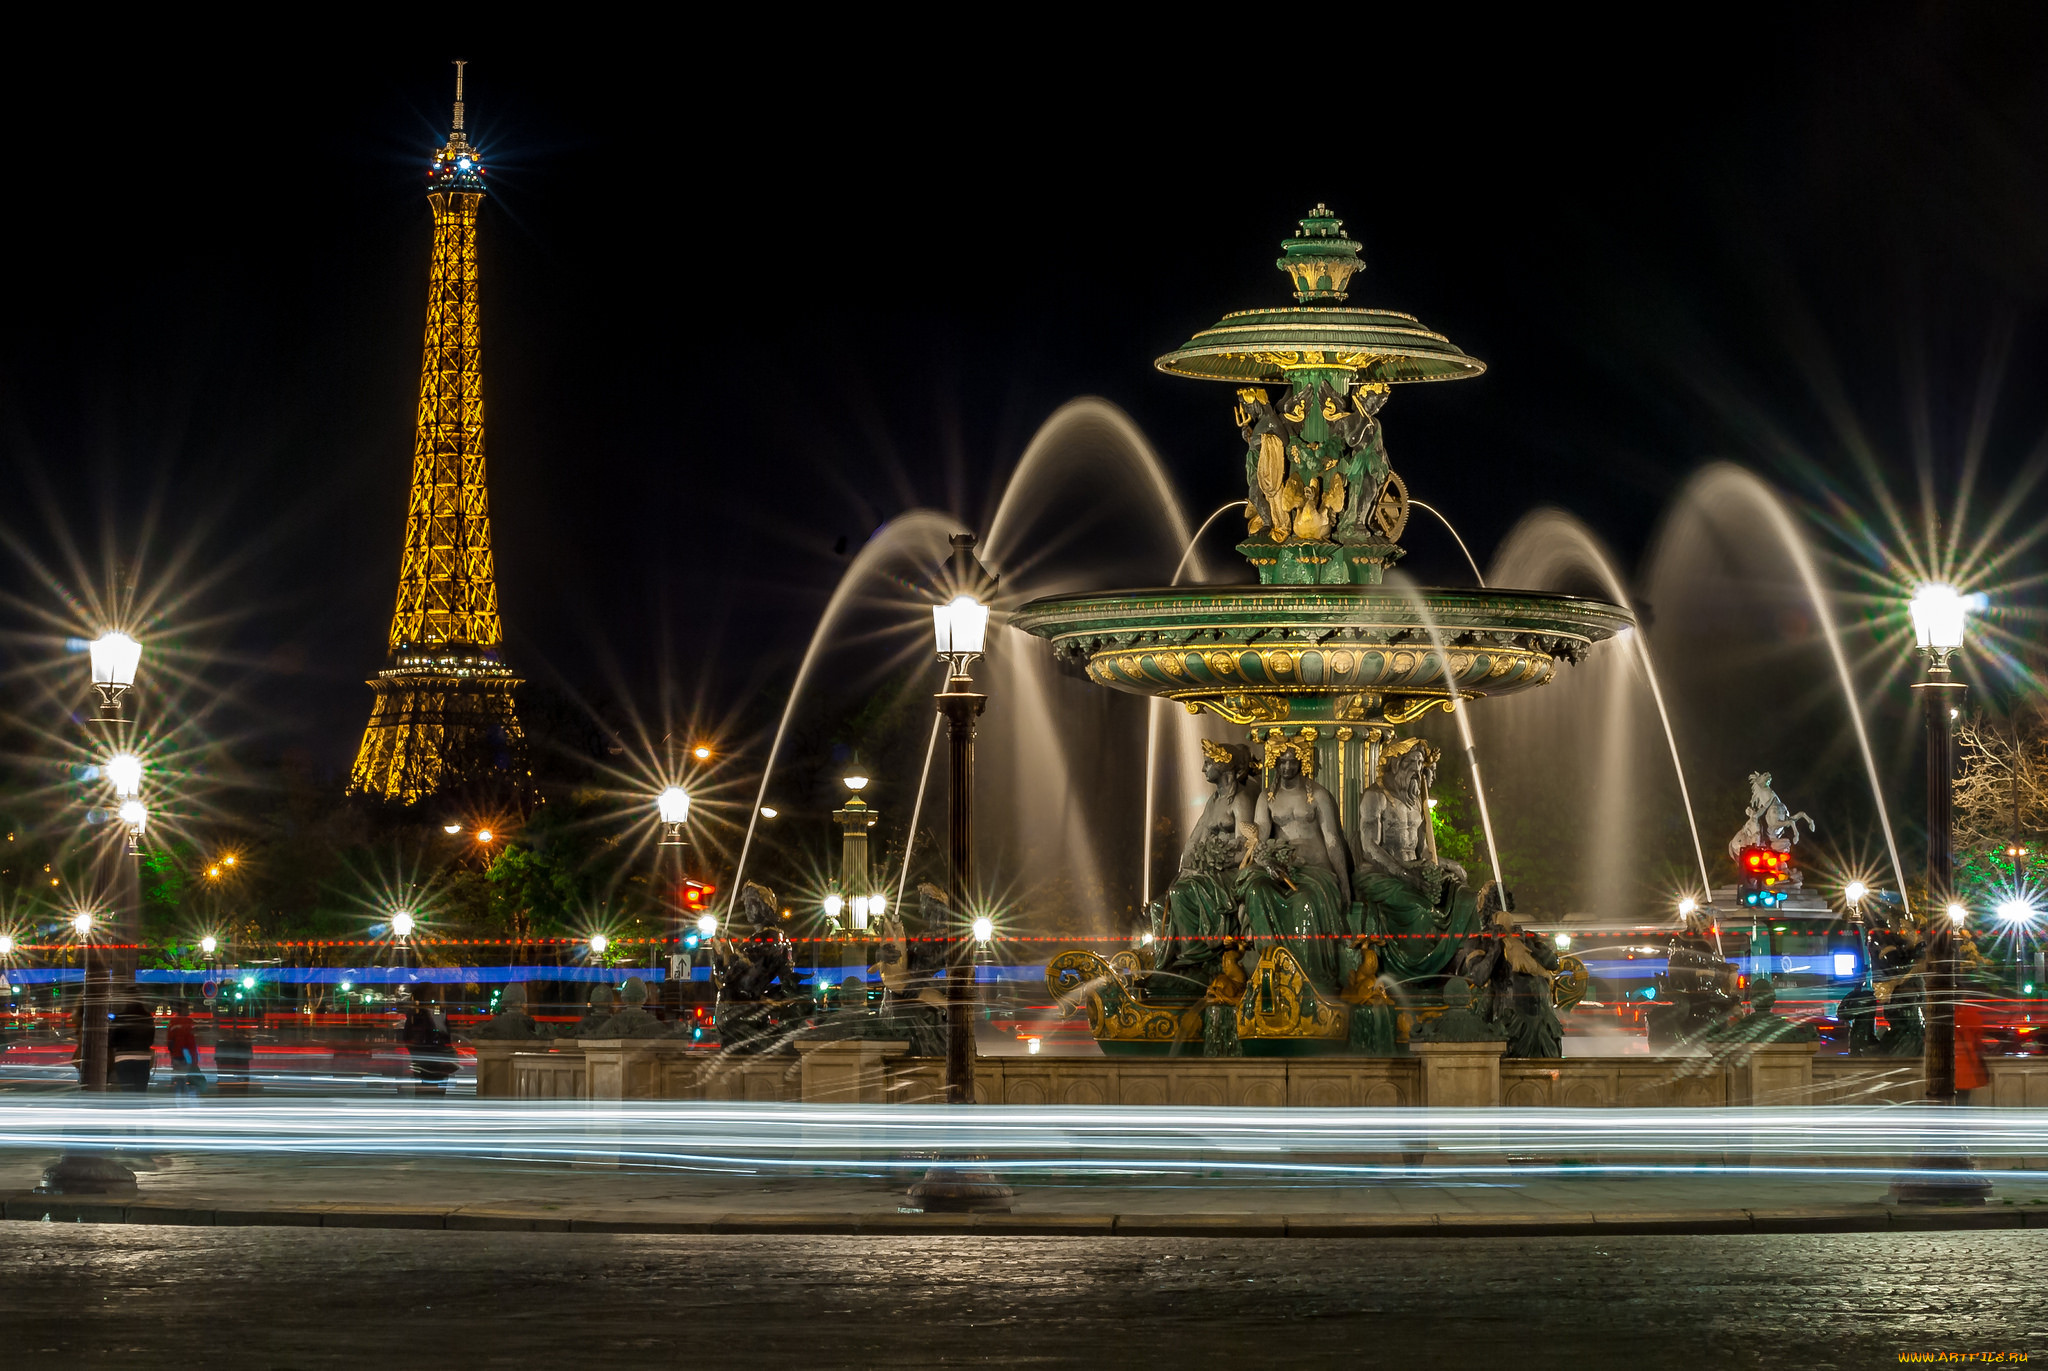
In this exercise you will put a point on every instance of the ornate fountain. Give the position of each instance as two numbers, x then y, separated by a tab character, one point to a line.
1312	913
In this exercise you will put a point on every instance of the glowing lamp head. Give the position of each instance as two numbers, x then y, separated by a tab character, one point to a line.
1563	940
961	626
701	752
984	929
673	804
1854	892
1032	1045
1956	914
209	944
598	943
401	924
833	904
1687	907
114	659
248	982
483	835
451	829
81	923
707	926
855	782
134	814
2015	911
6	945
124	773
1938	614
769	811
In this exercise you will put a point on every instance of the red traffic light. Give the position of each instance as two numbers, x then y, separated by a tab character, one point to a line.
1766	865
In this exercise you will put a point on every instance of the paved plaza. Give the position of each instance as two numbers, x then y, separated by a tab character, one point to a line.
293	1298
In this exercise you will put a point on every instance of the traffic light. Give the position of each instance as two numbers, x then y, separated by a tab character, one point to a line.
1766	873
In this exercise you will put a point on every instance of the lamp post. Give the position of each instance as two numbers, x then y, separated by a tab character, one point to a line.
1853	894
672	806
961	628
1938	614
1942	1174
115	657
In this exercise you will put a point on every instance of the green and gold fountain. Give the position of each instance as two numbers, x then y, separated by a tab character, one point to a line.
1311	913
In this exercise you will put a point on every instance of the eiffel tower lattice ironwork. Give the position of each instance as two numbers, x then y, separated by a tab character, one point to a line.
444	714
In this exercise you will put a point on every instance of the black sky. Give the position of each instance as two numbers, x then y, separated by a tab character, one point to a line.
748	292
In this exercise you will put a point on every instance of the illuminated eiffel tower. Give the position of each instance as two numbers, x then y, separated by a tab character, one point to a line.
443	715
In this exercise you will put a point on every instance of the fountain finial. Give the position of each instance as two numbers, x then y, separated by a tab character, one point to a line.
1322	260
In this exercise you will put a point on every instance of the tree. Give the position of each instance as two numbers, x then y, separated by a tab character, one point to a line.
2001	796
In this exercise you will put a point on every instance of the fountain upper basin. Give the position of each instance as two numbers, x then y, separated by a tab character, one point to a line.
1257	654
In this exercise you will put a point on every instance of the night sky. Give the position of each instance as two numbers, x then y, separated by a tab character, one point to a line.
739	304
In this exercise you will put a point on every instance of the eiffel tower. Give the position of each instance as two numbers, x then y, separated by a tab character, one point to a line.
443	715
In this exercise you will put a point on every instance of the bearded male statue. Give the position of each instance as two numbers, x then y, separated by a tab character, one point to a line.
1201	904
1299	887
1407	888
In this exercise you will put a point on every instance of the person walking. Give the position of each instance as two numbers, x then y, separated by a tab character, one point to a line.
183	1042
430	1045
131	1046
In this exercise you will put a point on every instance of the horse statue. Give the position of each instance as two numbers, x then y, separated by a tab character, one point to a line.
1770	822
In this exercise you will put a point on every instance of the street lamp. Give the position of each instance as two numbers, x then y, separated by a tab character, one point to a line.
81	923
707	926
673	804
401	924
124	773
1939	614
136	815
114	659
208	943
960	628
834	903
598	943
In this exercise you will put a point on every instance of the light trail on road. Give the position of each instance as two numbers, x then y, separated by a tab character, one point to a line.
1068	1142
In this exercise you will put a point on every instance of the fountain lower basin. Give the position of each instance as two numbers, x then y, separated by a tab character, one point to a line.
1274	653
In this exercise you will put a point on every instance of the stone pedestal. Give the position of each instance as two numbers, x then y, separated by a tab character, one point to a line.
1775	1075
494	1067
847	1072
619	1068
1460	1075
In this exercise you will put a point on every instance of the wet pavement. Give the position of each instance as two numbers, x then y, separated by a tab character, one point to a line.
135	1296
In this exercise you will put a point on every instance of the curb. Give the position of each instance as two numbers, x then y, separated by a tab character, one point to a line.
1873	1218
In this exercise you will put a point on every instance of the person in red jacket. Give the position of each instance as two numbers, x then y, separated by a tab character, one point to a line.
182	1041
1970	1070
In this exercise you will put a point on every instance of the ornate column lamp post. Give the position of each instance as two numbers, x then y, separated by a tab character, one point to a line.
1938	615
961	628
672	806
1940	1172
115	657
852	889
1853	895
